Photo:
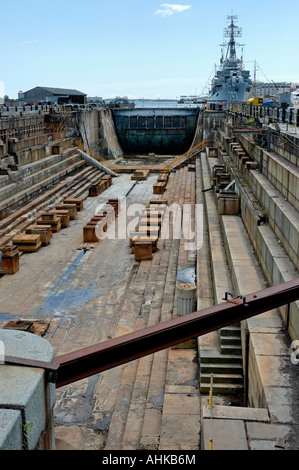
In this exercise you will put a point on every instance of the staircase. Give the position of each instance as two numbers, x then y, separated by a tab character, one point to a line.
225	364
225	360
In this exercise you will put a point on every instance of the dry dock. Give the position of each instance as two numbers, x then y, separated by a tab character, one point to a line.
76	294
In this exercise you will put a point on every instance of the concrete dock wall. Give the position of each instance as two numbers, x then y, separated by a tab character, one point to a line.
273	227
269	202
108	138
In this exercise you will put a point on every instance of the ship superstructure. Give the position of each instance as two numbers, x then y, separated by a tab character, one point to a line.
232	82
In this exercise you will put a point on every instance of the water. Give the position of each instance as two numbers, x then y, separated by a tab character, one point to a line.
147	103
59	304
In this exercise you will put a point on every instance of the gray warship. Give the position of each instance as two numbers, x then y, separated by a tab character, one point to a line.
232	83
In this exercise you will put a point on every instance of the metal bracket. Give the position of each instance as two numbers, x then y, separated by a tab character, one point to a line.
51	368
234	300
230	185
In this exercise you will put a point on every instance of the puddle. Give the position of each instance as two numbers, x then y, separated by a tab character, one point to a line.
65	277
59	304
7	317
187	276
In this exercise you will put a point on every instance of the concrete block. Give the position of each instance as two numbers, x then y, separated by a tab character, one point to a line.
227	435
270	431
10	429
236	412
228	205
24	389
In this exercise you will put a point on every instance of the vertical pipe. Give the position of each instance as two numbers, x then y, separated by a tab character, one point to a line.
211	407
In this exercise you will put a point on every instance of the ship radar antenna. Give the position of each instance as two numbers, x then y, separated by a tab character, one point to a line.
232	32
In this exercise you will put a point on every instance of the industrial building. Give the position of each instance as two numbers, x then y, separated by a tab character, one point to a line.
54	96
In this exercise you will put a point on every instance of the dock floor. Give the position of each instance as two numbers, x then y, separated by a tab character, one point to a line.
89	296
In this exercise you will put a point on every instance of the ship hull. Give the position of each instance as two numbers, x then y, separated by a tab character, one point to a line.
229	93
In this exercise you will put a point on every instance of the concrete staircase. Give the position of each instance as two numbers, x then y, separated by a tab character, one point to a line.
227	373
39	169
49	168
224	359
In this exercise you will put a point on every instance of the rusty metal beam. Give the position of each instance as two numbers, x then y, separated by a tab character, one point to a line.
109	354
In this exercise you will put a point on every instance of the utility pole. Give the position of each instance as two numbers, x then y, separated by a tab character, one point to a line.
255	87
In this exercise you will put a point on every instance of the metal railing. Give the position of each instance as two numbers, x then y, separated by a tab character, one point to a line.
288	116
96	156
92	360
187	155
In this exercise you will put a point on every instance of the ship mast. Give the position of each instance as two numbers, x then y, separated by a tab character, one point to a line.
232	32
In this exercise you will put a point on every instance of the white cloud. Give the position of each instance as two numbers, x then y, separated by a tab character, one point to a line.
168	9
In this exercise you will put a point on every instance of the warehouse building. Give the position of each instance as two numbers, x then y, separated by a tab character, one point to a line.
54	96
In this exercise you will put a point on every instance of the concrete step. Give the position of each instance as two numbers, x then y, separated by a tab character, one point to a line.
33	173
222	389
26	193
225	362
231	349
232	330
220	368
226	340
26	170
221	378
218	358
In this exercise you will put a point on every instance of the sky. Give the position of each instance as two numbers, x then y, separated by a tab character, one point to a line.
140	48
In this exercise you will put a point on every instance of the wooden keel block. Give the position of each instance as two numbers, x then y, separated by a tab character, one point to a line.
153	239
9	251
159	188
44	231
63	215
77	201
89	234
94	190
27	242
10	264
72	208
143	250
53	220
158	201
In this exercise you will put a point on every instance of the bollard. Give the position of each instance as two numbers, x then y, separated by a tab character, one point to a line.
186	303
186	295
